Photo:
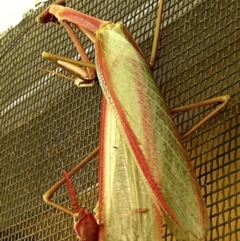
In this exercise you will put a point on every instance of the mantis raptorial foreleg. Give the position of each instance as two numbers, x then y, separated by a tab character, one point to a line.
48	195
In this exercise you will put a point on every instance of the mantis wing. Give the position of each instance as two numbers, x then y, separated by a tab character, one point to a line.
149	132
126	211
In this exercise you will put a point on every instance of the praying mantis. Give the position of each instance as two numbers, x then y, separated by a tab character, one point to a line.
145	174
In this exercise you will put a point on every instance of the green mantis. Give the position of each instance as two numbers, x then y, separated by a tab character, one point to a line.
144	169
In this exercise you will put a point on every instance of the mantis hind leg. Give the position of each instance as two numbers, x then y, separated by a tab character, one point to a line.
77	68
220	99
85	71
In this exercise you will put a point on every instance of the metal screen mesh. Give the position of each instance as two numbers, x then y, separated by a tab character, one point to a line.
48	124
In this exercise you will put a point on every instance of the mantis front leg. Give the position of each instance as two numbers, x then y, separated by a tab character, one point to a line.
85	224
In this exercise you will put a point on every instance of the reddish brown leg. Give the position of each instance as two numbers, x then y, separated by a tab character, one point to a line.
78	45
85	224
87	75
48	195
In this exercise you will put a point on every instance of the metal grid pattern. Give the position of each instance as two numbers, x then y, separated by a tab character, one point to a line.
47	124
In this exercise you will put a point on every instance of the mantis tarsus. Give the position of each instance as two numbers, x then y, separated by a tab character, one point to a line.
144	132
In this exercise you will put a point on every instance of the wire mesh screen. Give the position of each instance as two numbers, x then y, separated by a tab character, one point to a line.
48	124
